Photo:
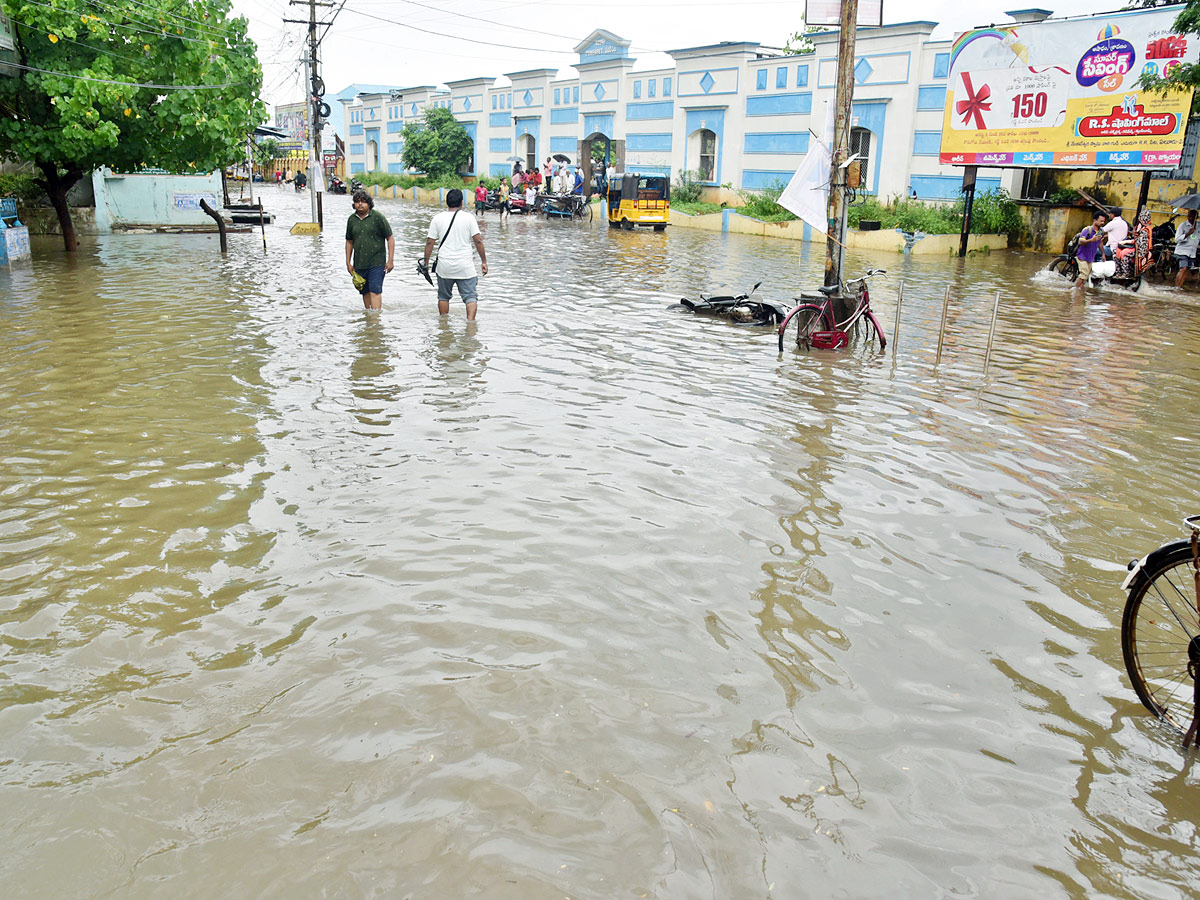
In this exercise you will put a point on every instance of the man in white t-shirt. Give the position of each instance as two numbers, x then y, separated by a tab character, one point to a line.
1117	230
456	232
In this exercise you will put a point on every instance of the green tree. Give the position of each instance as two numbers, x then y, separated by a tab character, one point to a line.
171	84
266	150
440	146
1186	76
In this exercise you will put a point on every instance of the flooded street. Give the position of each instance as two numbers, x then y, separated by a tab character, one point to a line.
590	599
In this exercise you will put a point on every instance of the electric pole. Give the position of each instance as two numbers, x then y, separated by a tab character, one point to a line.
835	245
316	110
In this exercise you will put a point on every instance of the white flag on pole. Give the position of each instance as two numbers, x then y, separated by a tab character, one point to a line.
807	194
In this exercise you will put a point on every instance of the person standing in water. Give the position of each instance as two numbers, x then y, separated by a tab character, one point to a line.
370	248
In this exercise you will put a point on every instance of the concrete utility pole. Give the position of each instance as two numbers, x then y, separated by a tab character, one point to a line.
835	245
316	110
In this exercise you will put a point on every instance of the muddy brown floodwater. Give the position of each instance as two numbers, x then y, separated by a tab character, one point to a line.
593	600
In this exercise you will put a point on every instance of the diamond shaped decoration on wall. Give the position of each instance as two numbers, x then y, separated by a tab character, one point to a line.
414	109
528	97
599	91
707	82
467	104
862	70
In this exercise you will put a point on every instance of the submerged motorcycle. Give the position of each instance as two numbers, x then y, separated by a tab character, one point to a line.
738	308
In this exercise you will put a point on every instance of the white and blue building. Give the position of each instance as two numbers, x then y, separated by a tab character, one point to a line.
736	112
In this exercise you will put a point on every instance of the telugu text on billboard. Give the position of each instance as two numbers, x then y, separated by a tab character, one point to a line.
1064	94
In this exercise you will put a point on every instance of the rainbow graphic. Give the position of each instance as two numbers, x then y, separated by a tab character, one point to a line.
1006	36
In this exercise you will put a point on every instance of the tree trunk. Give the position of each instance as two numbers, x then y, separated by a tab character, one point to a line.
56	186
216	217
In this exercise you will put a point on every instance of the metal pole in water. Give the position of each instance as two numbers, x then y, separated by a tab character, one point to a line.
896	330
942	330
987	357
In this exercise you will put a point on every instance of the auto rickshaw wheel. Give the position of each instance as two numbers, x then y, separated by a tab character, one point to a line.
660	227
627	225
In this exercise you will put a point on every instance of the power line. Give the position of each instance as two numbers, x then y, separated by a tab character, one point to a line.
453	37
160	87
59	37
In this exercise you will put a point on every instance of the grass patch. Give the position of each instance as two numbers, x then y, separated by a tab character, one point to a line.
695	207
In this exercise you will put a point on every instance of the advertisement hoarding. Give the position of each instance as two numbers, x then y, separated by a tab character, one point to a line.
1064	94
829	12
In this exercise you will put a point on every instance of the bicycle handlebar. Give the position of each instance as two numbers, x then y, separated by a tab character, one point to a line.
870	273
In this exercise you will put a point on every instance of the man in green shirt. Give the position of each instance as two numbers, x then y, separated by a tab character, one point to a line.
370	248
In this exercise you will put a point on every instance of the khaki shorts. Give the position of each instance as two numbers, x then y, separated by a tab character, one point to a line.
1085	269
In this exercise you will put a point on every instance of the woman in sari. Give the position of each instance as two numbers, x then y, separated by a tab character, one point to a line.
1136	259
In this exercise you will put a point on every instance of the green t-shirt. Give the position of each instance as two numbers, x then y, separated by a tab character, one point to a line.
370	236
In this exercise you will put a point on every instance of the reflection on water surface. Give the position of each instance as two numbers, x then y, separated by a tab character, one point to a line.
589	599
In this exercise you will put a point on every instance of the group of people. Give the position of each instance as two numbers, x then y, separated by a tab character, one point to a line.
1108	237
453	235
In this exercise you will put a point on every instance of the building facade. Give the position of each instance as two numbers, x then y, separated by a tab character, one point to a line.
736	113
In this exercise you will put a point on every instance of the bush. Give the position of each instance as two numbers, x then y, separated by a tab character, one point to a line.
386	179
994	213
763	206
687	187
22	187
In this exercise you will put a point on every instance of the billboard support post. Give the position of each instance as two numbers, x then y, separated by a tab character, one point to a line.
968	189
1143	195
840	145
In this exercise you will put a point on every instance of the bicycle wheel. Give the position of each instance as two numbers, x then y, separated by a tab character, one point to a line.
808	318
1066	266
1158	626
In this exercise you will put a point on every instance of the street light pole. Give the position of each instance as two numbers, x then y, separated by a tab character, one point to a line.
840	145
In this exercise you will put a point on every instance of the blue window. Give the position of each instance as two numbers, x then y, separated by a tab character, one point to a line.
761	83
557	96
493	101
927	143
637	90
931	97
941	65
575	94
801	76
650	86
781	77
666	87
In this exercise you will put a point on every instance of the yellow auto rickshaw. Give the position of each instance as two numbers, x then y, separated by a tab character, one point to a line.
639	200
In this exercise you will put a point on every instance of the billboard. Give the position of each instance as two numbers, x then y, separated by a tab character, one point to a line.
1063	93
829	12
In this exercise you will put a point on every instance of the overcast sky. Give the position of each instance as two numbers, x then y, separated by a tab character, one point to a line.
445	40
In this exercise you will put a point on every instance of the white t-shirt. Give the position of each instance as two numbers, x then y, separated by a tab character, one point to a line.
1186	240
1118	230
456	259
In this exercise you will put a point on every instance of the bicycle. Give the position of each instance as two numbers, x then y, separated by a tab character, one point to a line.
1160	632
817	325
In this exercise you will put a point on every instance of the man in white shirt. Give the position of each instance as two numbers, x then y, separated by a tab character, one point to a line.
455	234
1117	231
1187	238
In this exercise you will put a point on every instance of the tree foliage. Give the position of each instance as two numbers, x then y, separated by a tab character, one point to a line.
171	84
439	146
1187	75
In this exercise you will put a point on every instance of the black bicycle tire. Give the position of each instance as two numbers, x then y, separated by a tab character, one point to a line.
795	317
1066	266
1169	698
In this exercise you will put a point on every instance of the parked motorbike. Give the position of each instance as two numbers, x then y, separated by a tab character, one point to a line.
336	185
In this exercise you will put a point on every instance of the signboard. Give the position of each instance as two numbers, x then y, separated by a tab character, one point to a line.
829	12
192	201
1063	93
329	159
6	34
